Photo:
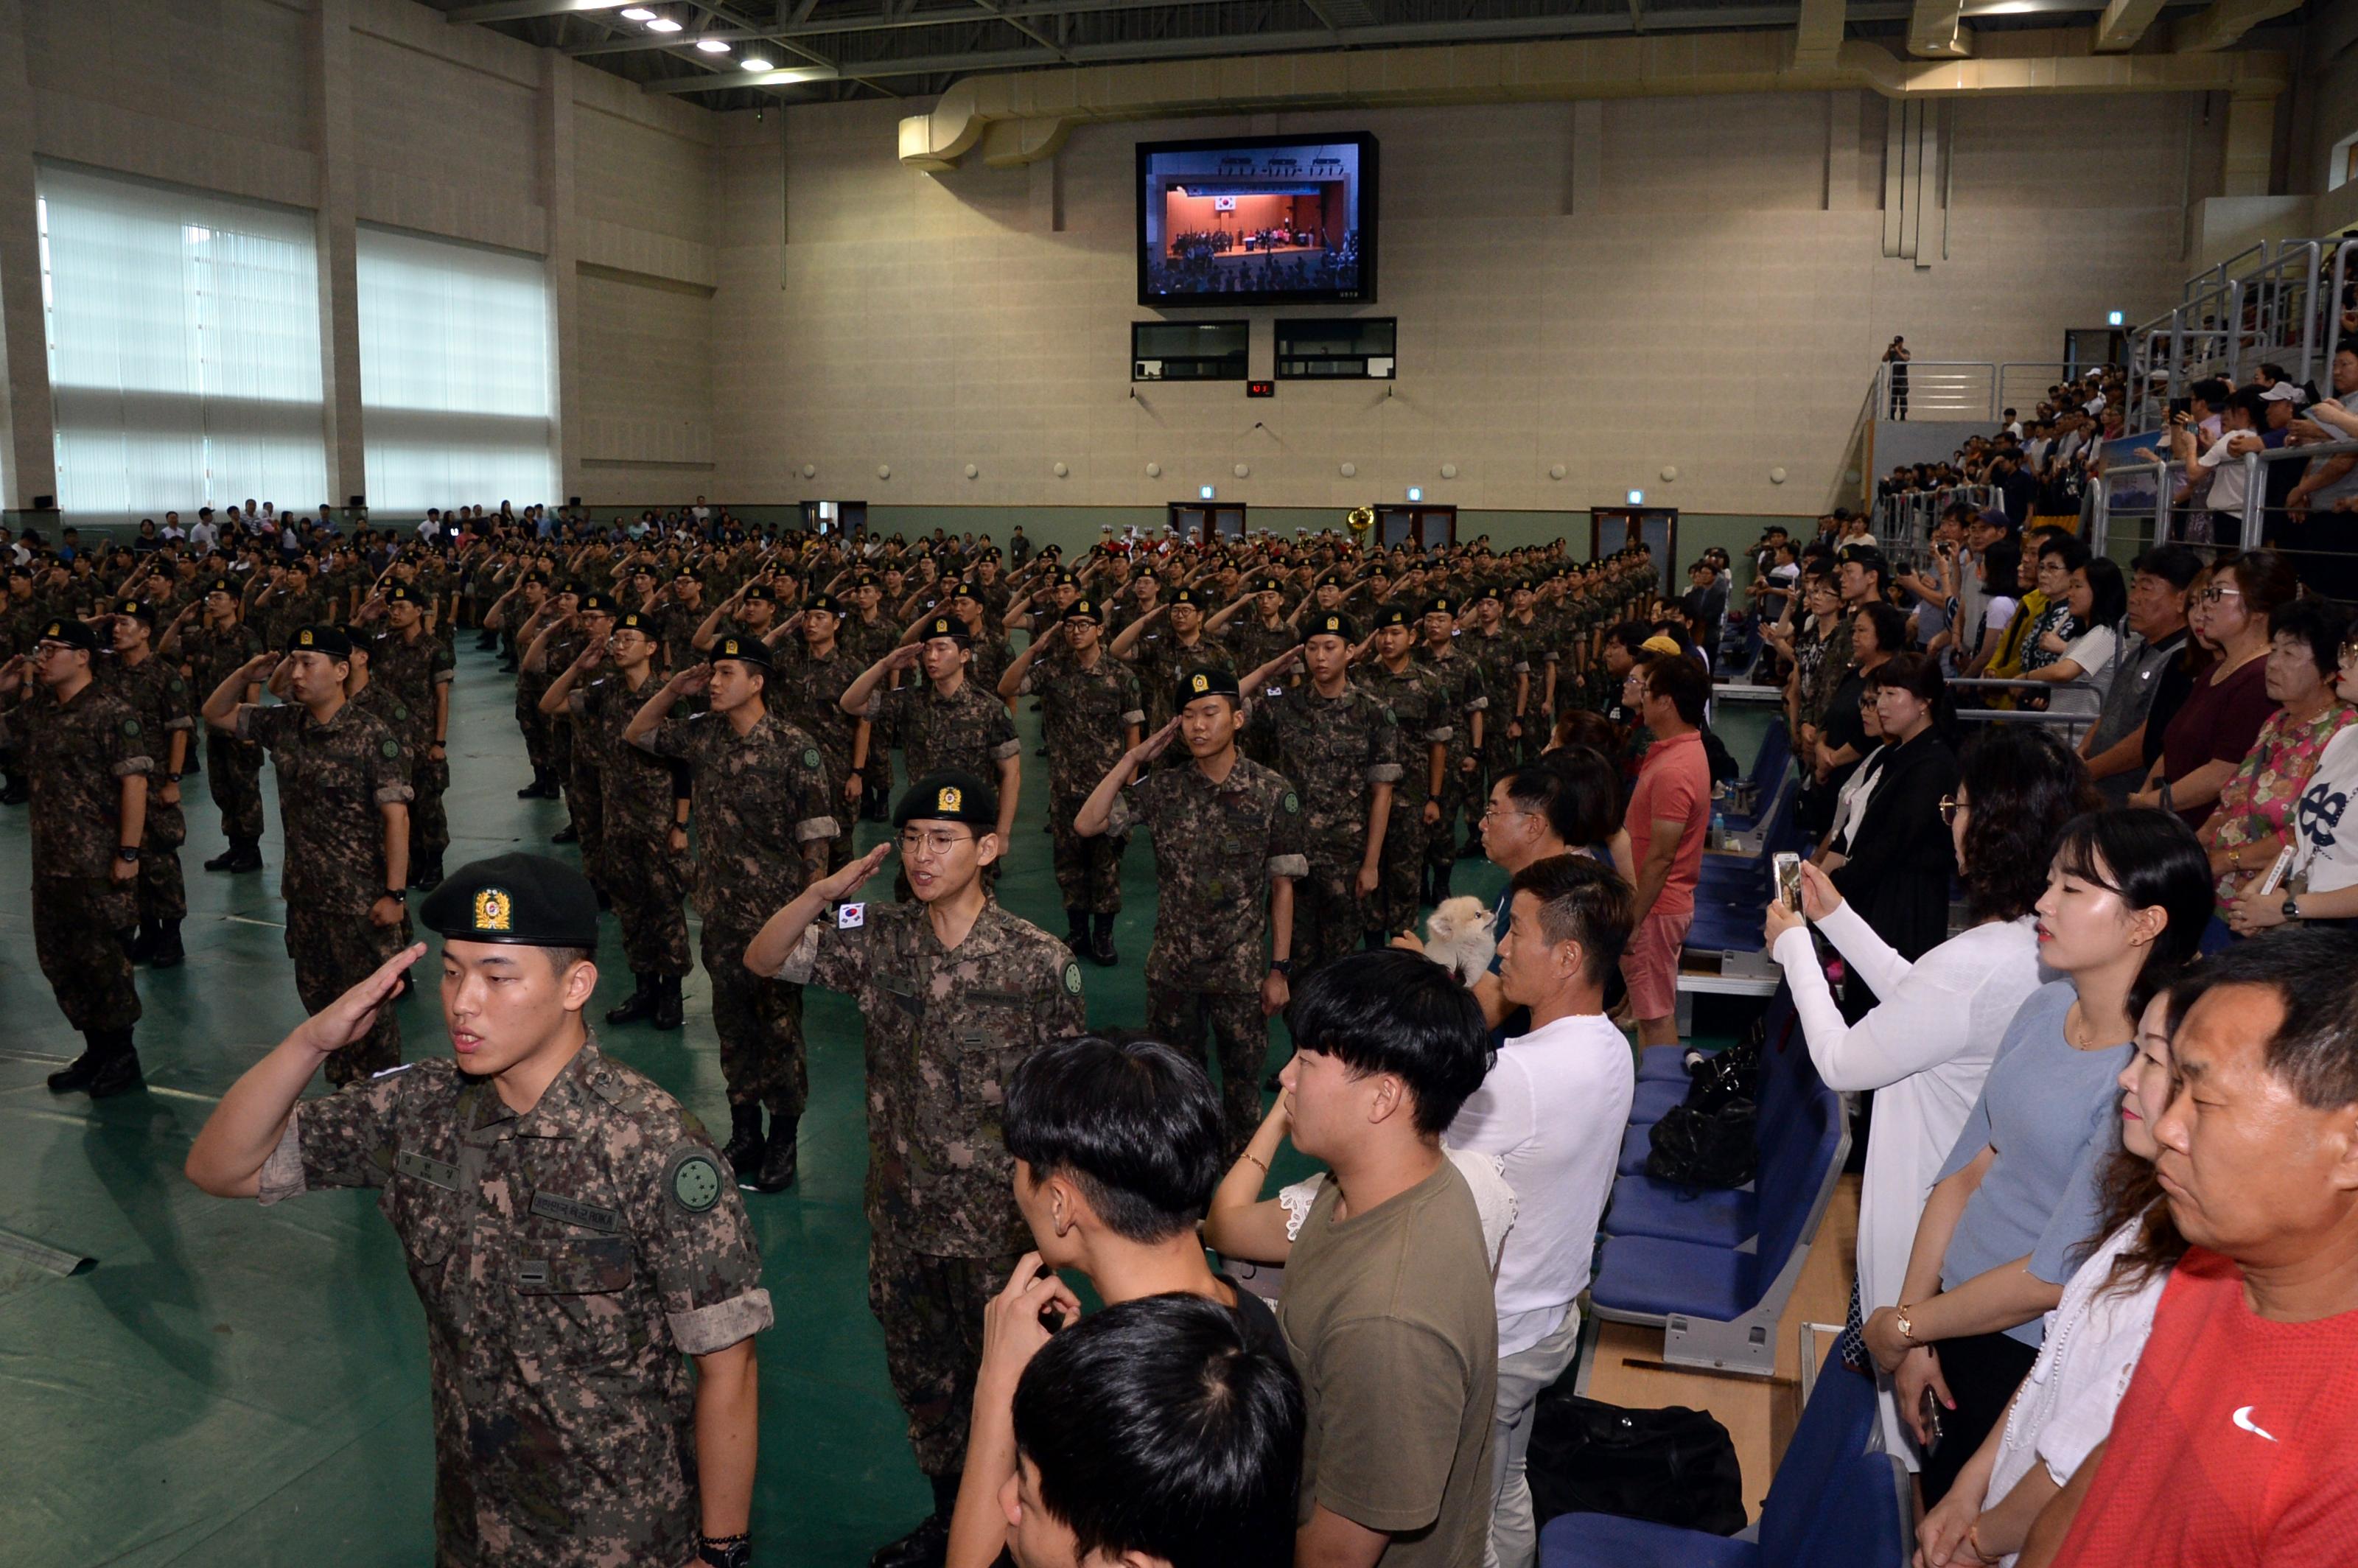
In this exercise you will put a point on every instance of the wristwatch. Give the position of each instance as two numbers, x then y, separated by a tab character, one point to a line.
398	896
127	853
1282	966
2292	906
725	1551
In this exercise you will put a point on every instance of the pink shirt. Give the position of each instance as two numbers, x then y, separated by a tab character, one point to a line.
1673	785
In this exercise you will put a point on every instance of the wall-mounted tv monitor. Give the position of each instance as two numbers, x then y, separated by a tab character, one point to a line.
1257	221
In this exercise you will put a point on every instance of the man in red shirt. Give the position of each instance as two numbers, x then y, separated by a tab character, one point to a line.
2237	1440
1669	817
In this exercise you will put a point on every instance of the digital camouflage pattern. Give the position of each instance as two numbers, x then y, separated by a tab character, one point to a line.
1240	1035
967	731
569	1260
946	1028
233	767
156	691
1464	693
1419	706
931	1312
644	875
763	821
1334	751
808	692
1083	716
414	668
1217	847
1162	660
76	755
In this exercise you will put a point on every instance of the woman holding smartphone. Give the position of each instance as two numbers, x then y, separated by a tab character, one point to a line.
1925	1048
2127	895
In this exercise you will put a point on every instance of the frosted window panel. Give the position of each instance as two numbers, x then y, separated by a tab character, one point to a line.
458	370
183	335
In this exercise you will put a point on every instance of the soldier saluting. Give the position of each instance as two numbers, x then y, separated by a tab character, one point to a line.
572	1233
956	992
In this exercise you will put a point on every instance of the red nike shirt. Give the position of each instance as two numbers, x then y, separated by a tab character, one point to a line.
2237	1442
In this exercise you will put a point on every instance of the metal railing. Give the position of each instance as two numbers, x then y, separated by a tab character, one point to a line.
2277	302
1907	520
2121	499
1962	389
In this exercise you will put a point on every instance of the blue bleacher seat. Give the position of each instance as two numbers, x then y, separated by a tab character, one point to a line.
1642	1205
1832	1503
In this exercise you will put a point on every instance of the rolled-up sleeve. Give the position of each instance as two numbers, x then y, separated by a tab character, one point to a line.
707	1266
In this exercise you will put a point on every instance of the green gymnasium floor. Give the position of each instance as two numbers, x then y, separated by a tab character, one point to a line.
235	1385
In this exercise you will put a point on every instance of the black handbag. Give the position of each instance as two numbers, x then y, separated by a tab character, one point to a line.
1723	1075
1694	1148
1672	1466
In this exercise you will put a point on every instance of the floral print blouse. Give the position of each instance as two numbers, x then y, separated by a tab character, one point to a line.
2259	801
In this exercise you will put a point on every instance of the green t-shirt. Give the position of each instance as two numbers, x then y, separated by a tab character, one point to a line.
1390	1320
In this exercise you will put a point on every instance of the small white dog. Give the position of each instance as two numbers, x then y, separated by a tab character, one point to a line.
1457	937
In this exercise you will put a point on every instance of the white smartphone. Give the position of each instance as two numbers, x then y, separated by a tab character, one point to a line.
1788	868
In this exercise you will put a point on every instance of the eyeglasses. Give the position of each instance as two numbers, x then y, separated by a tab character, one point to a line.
1494	809
936	843
2214	594
1953	808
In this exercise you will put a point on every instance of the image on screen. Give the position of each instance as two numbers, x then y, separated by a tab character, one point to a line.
1248	220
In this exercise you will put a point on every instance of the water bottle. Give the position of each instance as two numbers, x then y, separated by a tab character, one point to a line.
1719	828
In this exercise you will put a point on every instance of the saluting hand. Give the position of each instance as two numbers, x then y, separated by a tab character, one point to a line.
1155	745
842	884
691	680
351	1015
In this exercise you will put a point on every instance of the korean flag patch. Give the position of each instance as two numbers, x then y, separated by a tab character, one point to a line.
850	917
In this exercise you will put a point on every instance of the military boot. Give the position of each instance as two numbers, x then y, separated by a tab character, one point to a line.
109	1064
928	1545
641	1004
1076	931
669	1011
744	1145
780	1157
164	950
1101	942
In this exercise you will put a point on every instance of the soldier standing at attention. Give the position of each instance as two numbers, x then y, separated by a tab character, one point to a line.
569	1228
418	668
645	803
152	688
222	643
1339	748
1421	712
678	616
1461	680
89	761
763	819
1506	682
343	804
956	992
526	607
1089	716
1224	828
582	619
945	723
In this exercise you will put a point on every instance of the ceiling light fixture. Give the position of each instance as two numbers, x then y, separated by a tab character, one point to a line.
663	25
713	46
756	62
637	14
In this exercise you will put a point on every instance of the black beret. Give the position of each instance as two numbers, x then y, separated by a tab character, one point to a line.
1084	609
136	609
634	622
948	795
823	602
328	640
221	585
399	593
72	632
1205	682
596	604
1442	604
759	593
1483	593
529	900
1270	585
866	579
1392	615
571	586
950	626
967	591
1330	624
1187	596
744	650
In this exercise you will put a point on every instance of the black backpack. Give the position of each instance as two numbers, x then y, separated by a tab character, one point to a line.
1672	1466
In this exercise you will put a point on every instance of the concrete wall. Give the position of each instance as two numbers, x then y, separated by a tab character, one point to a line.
1615	287
380	111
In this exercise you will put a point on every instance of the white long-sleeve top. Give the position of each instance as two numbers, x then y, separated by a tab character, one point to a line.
1925	1048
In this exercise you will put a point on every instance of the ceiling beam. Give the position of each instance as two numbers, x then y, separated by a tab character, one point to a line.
936	17
2124	23
2220	26
1936	30
1818	34
525	10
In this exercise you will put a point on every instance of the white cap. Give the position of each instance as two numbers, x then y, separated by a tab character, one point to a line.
2283	392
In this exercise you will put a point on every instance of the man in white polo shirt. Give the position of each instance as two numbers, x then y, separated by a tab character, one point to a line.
1551	1111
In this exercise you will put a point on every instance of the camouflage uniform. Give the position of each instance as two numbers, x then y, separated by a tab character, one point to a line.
154	691
233	767
1216	847
413	667
761	817
809	694
1466	693
1535	654
539	729
1333	751
1418	705
77	755
1162	661
646	877
970	732
678	623
1084	713
1499	655
946	1029
283	615
581	804
333	778
569	1258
